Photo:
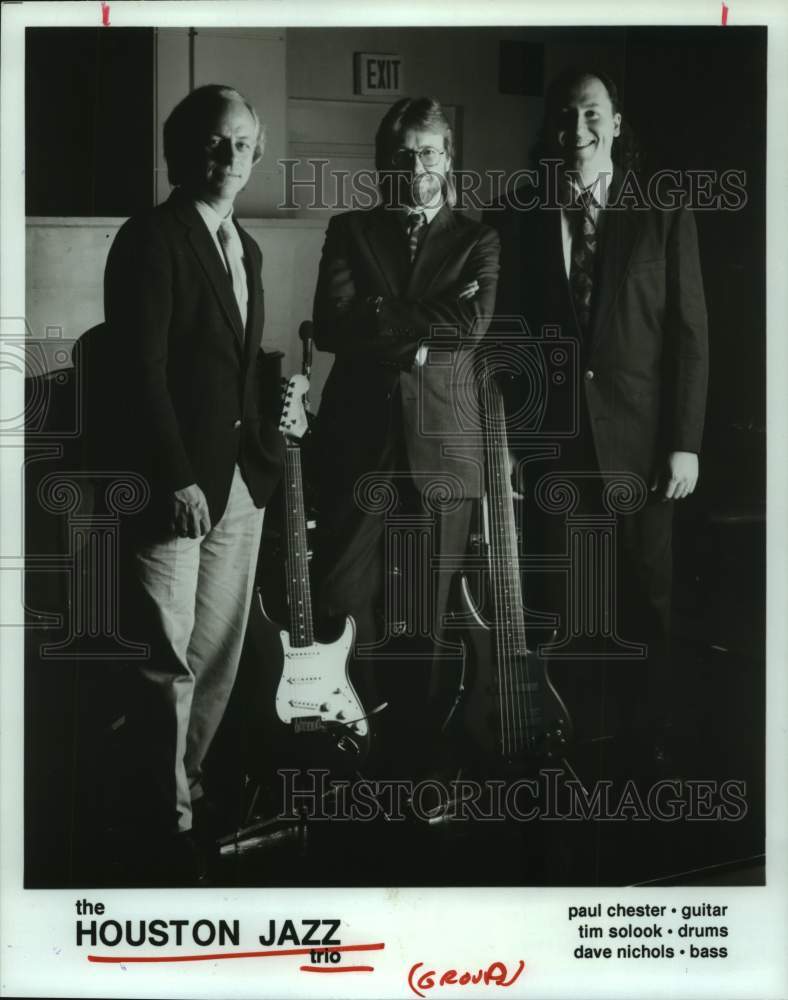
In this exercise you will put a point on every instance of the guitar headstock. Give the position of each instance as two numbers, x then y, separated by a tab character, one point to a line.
294	423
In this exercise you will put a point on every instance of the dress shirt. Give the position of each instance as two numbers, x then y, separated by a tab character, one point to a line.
428	213
599	190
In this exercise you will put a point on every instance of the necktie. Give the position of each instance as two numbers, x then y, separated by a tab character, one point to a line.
230	243
416	222
581	271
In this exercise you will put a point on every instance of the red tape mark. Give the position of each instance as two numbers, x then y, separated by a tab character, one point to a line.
338	968
234	954
724	15
105	14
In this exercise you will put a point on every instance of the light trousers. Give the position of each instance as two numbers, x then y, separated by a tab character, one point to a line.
197	594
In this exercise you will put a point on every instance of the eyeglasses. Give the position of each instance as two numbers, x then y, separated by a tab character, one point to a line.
430	157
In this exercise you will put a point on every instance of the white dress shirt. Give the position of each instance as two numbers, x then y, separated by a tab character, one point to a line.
428	213
599	189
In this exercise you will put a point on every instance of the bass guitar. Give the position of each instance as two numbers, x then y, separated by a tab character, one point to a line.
508	709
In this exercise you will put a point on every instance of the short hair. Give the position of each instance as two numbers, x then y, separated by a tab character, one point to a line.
424	114
625	151
182	127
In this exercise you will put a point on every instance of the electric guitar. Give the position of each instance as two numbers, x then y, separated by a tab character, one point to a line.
314	703
509	709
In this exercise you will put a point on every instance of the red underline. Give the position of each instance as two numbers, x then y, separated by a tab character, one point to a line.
337	968
234	954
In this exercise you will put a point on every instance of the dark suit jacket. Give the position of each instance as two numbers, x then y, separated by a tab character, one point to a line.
365	258
186	371
644	363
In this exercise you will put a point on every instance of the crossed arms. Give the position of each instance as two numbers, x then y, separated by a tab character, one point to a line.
353	317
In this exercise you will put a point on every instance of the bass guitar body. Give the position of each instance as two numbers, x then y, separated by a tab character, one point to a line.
509	713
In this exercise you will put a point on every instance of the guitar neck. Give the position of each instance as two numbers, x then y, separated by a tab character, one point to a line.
503	556
299	594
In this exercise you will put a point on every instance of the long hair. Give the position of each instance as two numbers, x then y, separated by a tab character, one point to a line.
423	114
182	130
625	152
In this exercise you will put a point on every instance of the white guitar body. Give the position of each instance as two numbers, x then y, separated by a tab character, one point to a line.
315	684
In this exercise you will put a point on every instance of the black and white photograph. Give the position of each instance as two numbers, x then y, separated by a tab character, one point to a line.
385	474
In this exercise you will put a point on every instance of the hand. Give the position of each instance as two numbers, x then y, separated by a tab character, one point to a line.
468	291
516	476
681	475
190	517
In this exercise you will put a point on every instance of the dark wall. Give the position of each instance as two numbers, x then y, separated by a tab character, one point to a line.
697	100
89	121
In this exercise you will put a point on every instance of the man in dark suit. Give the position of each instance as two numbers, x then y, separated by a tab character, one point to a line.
624	280
404	294
184	314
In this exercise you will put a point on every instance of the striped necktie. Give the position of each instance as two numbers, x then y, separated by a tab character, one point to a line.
228	238
584	244
416	223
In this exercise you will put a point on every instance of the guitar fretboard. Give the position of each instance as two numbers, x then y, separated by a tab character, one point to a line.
299	594
518	709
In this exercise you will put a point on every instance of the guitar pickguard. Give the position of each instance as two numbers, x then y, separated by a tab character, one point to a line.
315	685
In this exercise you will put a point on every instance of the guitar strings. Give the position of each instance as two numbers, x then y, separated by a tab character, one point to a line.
304	575
510	635
504	625
491	499
301	624
488	475
501	637
526	701
292	570
515	603
508	575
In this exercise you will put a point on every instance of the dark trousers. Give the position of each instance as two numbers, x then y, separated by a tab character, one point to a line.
397	574
613	591
391	556
394	571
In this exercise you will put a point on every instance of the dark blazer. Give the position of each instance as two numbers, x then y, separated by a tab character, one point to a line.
372	310
187	373
644	363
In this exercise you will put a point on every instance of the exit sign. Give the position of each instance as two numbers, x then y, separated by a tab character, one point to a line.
377	73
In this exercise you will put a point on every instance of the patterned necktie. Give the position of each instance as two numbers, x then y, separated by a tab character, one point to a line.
416	223
581	271
228	238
